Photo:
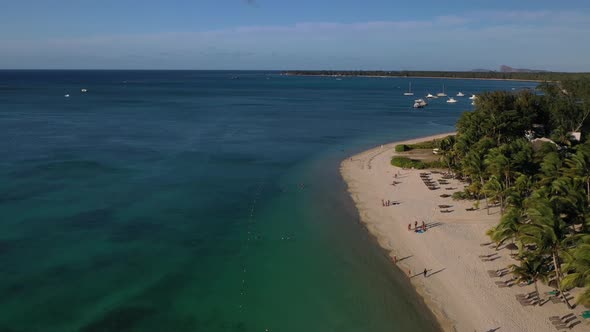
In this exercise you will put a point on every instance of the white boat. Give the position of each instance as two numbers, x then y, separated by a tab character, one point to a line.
451	100
473	97
419	103
442	94
429	96
460	94
472	103
67	95
83	90
409	93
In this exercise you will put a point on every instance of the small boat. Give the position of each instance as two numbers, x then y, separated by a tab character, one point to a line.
419	103
451	100
409	93
67	95
472	103
460	94
429	96
84	90
473	97
442	94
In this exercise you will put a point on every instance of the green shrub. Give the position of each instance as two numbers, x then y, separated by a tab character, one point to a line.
460	195
401	148
424	145
405	162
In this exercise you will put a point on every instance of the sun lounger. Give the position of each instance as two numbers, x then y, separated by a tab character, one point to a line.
489	259
529	303
565	320
527	296
561	318
567	326
494	255
506	283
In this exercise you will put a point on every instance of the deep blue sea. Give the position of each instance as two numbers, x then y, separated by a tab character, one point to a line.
191	201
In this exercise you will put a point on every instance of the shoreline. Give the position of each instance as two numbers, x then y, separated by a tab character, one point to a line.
419	77
457	288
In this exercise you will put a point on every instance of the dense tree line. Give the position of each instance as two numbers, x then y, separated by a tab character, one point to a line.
516	151
527	76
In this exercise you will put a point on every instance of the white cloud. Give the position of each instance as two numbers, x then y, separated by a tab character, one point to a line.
445	42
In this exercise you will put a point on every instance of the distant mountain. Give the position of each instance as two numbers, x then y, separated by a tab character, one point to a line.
508	69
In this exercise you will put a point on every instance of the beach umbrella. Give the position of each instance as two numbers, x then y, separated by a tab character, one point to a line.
511	246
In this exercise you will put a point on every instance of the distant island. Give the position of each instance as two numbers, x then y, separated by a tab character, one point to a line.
508	69
505	73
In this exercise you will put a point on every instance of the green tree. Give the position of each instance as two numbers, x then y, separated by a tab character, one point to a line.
577	267
532	268
578	166
547	232
509	228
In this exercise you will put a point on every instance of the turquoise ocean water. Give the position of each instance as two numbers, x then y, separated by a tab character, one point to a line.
191	201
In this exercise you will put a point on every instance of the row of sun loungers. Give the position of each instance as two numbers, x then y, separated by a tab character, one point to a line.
565	322
428	181
529	299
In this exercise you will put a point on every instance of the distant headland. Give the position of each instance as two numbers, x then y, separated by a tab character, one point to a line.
505	73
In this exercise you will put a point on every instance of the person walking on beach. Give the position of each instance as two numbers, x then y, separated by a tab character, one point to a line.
423	226
409	226
425	271
394	259
416	224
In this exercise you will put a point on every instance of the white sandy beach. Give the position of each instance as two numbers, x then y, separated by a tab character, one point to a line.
458	288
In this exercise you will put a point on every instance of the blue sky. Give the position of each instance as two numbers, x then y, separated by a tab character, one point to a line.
288	34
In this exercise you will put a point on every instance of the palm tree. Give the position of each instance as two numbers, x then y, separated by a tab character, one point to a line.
508	228
532	268
550	168
569	200
498	164
547	232
579	166
516	194
496	191
577	267
447	149
474	167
